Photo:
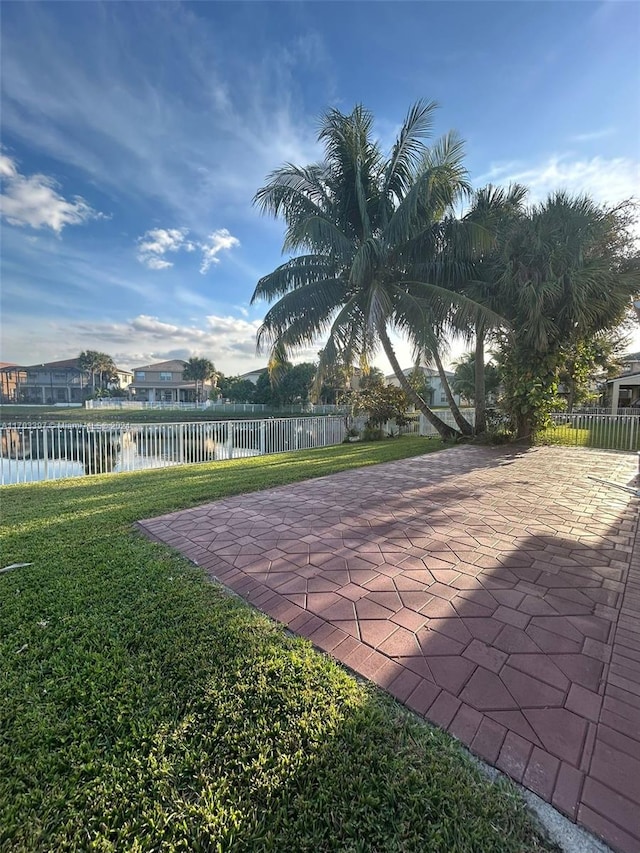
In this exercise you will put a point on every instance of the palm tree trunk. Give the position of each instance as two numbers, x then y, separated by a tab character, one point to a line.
445	432
480	394
463	423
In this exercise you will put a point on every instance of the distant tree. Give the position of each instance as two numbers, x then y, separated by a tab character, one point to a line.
240	390
464	378
584	360
383	403
295	384
372	378
336	382
264	390
99	365
199	370
420	383
286	385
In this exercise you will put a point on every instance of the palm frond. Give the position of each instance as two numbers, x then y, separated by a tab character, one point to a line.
298	272
408	151
301	315
318	233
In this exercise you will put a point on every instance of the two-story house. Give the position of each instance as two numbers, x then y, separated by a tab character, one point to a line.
51	382
11	376
163	383
624	390
435	391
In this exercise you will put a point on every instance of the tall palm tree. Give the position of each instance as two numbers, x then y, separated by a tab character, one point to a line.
372	235
564	279
493	212
199	370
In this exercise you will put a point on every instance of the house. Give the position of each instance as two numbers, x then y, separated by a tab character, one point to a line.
10	377
163	383
436	395
624	390
254	375
51	382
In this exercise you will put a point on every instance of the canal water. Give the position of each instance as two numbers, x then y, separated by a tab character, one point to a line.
128	459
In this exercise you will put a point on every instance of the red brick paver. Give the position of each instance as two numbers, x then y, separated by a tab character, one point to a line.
497	593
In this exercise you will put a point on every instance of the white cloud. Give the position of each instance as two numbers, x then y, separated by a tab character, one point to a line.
156	263
217	242
229	341
154	245
34	201
226	119
607	181
593	135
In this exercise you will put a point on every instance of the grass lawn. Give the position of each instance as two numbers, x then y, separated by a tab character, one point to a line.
54	414
621	436
144	709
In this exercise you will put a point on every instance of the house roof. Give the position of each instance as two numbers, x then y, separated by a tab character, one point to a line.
67	363
174	364
258	370
64	364
623	378
630	356
4	364
427	371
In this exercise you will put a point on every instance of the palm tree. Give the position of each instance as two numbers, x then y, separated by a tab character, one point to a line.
97	364
372	234
494	210
464	380
199	370
565	278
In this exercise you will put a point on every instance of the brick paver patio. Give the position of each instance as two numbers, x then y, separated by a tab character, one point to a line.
497	593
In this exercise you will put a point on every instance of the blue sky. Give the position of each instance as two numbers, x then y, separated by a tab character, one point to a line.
136	134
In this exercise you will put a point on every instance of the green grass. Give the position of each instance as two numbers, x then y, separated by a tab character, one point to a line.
143	709
604	436
54	414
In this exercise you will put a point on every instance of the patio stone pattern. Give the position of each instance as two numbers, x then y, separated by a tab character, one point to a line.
496	593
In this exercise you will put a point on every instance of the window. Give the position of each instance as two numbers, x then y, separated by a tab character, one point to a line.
166	376
59	376
443	397
140	375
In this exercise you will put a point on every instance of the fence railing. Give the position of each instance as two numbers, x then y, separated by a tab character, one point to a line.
445	415
607	432
214	408
30	452
606	410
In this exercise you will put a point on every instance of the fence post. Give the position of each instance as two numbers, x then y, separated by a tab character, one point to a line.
45	451
181	444
230	439
263	429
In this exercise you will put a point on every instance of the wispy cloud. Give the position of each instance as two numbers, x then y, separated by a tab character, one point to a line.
593	136
34	201
219	241
607	181
229	341
154	245
196	141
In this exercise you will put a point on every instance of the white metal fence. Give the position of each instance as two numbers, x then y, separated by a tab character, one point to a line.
213	408
30	452
445	415
607	432
606	410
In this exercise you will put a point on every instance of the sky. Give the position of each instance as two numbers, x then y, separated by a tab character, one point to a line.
135	135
